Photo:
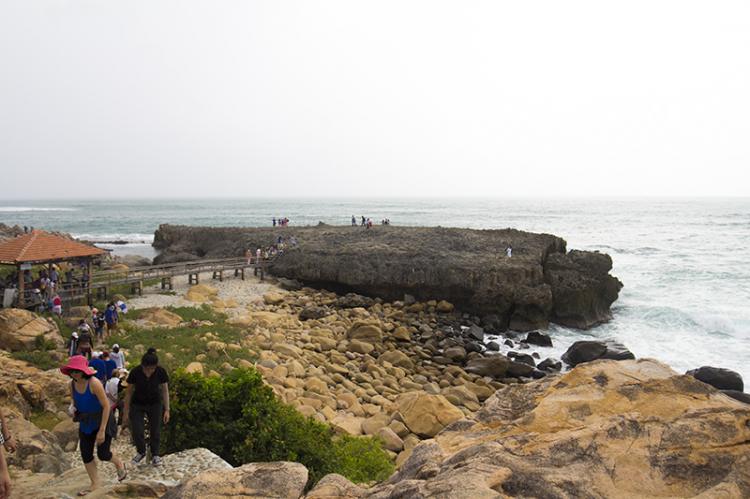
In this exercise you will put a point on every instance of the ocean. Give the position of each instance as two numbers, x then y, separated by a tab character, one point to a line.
685	263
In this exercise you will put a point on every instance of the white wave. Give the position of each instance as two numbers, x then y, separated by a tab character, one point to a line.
109	238
13	209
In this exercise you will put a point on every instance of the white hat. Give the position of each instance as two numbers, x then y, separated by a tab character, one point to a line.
115	346
95	355
75	335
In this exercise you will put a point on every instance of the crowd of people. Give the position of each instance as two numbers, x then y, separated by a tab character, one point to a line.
283	222
367	223
42	290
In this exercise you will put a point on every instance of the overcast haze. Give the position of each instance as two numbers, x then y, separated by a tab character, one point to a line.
407	98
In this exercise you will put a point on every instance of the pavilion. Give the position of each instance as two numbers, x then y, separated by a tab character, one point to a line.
42	248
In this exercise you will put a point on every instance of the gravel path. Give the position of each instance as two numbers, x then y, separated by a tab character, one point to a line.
244	292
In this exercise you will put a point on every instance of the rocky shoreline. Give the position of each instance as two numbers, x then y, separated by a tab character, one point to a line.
459	418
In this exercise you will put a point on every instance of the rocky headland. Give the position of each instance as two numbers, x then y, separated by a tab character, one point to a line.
540	283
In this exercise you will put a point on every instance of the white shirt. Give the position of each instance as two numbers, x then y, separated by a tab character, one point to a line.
119	358
111	389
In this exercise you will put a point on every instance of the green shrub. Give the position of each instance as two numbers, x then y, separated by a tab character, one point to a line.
362	459
239	418
42	343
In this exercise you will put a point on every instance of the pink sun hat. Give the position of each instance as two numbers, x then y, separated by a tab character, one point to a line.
77	363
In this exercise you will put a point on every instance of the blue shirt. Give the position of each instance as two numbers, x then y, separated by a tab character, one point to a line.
109	315
109	366
101	369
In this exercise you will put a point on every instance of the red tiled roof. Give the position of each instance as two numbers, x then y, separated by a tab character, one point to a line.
39	246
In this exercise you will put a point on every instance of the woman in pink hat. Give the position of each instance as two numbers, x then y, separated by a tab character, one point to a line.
97	426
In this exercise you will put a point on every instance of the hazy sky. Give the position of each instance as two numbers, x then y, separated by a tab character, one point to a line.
405	98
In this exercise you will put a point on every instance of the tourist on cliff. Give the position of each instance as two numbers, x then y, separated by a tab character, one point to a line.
97	426
293	241
509	251
354	221
147	388
274	222
249	256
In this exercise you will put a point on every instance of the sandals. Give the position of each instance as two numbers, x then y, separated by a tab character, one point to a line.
123	474
84	492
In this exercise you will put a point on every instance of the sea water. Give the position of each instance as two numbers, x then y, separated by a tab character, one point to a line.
685	263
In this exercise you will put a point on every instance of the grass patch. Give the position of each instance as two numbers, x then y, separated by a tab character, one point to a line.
37	358
44	420
179	346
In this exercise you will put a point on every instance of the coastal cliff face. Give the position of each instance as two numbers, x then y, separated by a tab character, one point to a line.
469	268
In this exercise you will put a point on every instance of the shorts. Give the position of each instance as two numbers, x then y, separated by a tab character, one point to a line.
110	326
57	309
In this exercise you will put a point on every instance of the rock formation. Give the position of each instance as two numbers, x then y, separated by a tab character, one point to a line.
466	267
19	329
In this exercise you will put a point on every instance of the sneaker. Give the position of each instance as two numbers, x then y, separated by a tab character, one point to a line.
138	458
157	461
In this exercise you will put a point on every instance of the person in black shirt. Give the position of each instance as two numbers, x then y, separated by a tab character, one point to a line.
147	388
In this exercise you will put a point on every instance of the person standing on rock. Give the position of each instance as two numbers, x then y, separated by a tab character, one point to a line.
354	221
147	389
293	241
97	426
509	251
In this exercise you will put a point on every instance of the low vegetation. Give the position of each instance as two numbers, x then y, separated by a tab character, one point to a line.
239	418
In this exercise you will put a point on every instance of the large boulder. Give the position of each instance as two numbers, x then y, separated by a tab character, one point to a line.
132	261
368	332
587	351
277	480
494	367
158	315
19	329
39	450
606	429
424	414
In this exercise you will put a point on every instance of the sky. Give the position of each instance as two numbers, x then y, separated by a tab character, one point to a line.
142	99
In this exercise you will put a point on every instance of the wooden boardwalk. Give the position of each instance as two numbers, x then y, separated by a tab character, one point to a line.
102	280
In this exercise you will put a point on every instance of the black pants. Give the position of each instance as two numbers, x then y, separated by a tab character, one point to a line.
88	442
119	406
154	414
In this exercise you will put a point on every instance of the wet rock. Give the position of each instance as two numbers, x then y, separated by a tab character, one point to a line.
538	339
587	351
719	378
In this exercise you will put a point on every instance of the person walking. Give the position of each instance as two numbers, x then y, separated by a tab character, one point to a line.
97	426
110	317
117	356
147	389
